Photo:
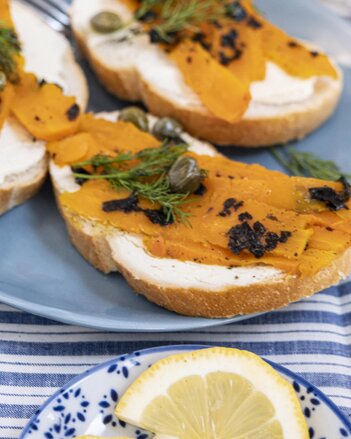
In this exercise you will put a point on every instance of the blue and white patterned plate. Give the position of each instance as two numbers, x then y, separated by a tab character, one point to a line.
86	404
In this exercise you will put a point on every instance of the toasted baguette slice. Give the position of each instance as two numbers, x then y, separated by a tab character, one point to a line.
187	288
23	160
283	108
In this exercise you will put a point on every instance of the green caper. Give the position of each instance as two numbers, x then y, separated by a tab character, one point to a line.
3	81
185	175
106	22
167	128
136	116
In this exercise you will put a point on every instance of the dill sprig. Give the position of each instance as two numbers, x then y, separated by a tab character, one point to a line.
173	16
306	164
144	174
9	48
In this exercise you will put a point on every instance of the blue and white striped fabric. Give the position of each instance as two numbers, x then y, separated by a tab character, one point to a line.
312	338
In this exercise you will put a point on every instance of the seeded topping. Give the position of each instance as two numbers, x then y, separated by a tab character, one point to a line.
333	200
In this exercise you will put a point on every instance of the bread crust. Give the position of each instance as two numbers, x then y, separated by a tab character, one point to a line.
19	193
128	85
237	300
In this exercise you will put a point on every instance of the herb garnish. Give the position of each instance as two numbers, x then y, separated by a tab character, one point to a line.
168	18
143	174
9	48
306	164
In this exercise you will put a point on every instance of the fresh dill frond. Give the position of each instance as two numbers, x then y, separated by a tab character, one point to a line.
170	17
9	48
143	174
306	164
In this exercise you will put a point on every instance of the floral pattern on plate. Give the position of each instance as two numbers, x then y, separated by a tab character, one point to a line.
86	404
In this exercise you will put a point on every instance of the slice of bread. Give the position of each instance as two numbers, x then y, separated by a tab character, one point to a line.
283	108
187	288
23	160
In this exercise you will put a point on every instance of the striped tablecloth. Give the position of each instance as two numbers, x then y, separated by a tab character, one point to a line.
37	356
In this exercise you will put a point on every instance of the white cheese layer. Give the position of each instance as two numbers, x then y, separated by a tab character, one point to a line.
128	249
278	93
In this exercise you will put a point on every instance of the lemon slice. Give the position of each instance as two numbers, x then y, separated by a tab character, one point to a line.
214	393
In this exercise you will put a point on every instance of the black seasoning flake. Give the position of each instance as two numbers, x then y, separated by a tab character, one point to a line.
272	217
259	228
293	44
217	24
73	112
42	82
236	12
201	191
245	216
131	204
224	59
158	217
229	205
189	60
255	239
148	17
125	205
314	53
271	240
253	23
242	237
284	236
156	38
229	39
333	200
80	180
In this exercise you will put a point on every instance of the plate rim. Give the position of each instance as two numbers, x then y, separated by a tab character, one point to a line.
71	318
182	347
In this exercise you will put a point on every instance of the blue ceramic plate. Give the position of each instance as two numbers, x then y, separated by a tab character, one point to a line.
41	273
82	407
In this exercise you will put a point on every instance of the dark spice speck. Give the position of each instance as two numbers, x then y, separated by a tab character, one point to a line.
73	112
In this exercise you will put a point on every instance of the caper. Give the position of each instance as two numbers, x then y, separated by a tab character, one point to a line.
185	175
167	128
3	81
136	116
106	22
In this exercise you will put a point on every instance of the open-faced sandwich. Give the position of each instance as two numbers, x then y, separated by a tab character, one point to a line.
218	66
190	229
37	71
